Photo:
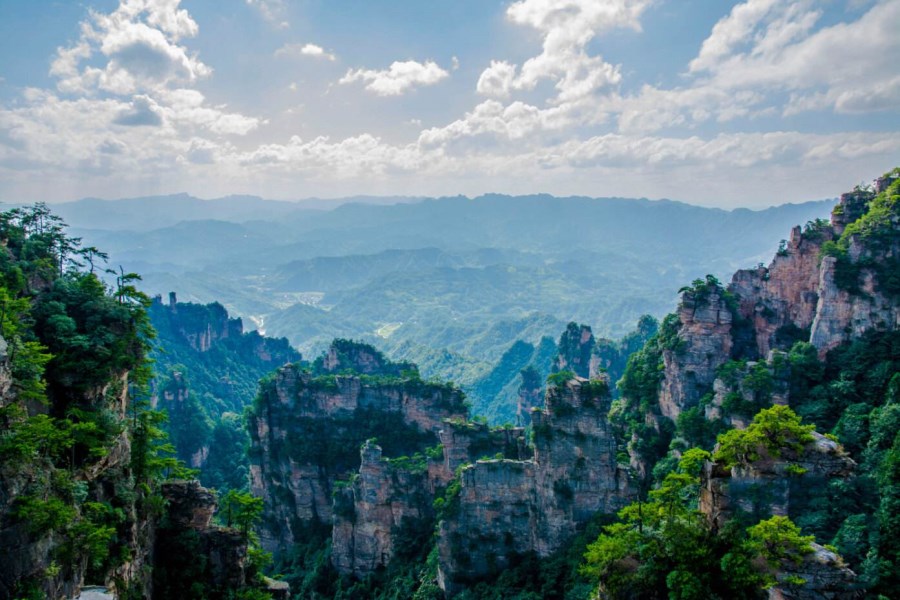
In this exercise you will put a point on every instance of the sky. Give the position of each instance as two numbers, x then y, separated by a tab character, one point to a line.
712	102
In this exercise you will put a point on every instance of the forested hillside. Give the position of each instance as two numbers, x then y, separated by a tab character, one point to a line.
86	471
207	370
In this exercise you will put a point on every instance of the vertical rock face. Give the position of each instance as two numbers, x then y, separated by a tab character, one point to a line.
577	473
6	379
509	507
306	430
703	344
466	441
781	299
529	396
575	347
27	554
842	316
492	520
386	501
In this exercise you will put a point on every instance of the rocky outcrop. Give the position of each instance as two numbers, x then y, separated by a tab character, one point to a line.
742	388
464	442
306	431
611	357
200	325
511	507
780	301
799	295
704	342
203	326
766	486
188	504
576	345
386	502
347	355
824	576
822	287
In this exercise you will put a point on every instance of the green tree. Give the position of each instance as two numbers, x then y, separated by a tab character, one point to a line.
241	509
773	431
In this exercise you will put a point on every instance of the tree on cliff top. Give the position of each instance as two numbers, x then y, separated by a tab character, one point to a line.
773	431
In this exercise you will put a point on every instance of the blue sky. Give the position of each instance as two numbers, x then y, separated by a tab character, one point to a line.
748	103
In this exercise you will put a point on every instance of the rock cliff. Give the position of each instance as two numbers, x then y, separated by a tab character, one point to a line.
200	325
828	283
529	395
576	346
306	429
507	508
385	508
824	576
191	551
704	343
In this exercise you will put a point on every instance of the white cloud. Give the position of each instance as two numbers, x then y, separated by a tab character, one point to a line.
581	79
140	42
301	50
124	102
400	77
127	111
567	26
497	80
272	11
731	31
765	49
145	63
143	111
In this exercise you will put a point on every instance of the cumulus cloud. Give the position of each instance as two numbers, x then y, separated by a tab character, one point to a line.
301	50
124	99
580	78
731	31
764	51
143	111
497	80
397	79
567	26
140	42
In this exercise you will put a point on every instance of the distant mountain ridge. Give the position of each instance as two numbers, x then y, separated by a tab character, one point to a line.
449	283
145	213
